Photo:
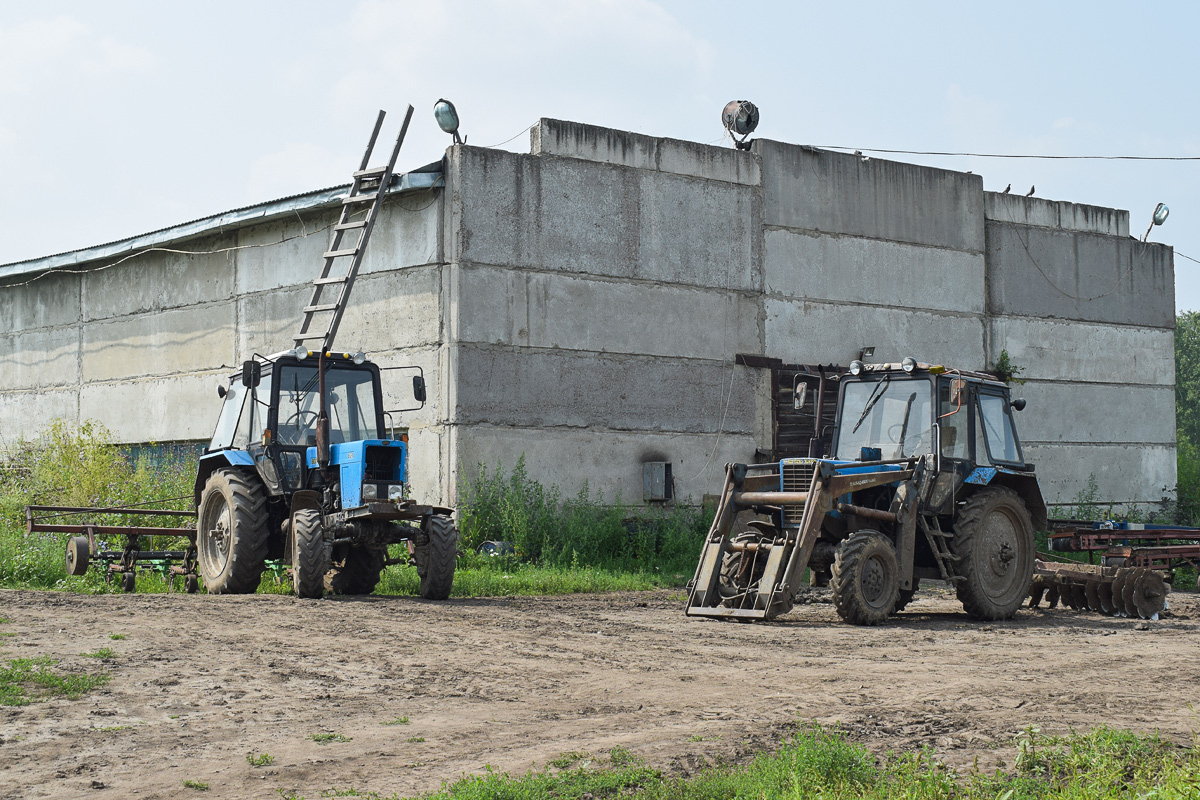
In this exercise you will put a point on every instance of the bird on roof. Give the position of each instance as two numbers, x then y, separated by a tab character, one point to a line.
1007	189
1030	192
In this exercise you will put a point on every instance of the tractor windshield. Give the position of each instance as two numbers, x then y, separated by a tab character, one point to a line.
892	414
353	414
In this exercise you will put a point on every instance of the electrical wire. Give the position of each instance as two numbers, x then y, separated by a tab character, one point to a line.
1006	155
509	139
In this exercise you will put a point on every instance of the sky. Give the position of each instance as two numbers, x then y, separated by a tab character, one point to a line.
121	117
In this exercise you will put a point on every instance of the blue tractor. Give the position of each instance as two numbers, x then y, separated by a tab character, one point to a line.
301	470
925	480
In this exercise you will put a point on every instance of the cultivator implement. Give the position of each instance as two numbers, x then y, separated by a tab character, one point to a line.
1163	548
1115	591
90	545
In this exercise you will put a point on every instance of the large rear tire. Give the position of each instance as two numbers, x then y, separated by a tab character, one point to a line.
358	573
866	578
435	558
310	560
231	532
993	539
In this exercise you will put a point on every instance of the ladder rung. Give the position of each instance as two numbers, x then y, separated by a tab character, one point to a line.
346	226
368	197
341	253
370	172
323	281
300	337
320	307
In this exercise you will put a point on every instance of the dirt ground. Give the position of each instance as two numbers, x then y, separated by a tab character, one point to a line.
198	682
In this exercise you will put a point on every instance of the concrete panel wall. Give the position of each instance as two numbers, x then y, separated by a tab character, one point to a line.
813	332
805	265
819	190
40	358
555	310
551	388
24	414
1043	213
1063	472
45	302
1042	272
1048	349
156	281
610	463
565	214
1096	413
174	408
166	343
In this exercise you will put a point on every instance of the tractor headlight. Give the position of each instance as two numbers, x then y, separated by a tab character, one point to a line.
370	491
396	492
908	364
856	367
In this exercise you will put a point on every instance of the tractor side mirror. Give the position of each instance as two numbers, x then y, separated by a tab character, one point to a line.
221	391
1018	404
957	389
419	388
798	395
251	374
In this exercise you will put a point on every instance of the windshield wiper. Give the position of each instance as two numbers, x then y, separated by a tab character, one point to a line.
871	401
912	398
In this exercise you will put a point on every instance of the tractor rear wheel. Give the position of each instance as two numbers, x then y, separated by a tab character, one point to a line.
231	532
435	558
993	539
309	559
357	573
866	578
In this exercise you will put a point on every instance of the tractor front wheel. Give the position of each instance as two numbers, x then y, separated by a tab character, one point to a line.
993	539
866	578
435	558
231	532
309	559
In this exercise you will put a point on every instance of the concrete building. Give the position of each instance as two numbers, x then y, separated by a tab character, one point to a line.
611	298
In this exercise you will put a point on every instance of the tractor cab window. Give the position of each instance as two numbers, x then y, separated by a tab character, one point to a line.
892	414
242	420
954	416
231	413
1002	446
350	397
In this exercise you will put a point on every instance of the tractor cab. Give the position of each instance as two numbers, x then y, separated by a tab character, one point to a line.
271	420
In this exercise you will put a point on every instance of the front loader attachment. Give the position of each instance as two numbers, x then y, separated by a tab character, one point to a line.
754	573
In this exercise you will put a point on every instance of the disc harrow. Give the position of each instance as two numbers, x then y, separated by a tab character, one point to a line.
1116	591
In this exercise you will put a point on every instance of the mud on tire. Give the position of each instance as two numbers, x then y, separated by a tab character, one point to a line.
866	578
309	558
435	558
357	573
993	539
231	532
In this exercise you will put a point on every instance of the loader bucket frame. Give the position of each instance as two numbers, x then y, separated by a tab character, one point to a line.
789	551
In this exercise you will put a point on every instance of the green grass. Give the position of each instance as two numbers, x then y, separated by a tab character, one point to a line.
260	759
397	721
103	652
31	680
197	785
326	738
416	739
116	636
821	763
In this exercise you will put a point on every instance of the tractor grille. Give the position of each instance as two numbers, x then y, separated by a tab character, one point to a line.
795	475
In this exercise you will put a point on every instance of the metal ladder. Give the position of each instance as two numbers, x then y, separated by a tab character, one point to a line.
368	187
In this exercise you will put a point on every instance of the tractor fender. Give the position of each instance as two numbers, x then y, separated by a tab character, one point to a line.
211	462
1026	487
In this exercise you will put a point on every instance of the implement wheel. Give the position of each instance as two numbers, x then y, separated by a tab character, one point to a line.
435	558
866	578
993	539
231	532
78	554
128	582
357	573
309	559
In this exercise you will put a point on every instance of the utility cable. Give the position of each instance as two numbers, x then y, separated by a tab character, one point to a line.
1006	155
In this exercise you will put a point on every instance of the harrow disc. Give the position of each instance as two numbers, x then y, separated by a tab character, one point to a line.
1127	591
1105	592
1150	594
1091	590
1118	593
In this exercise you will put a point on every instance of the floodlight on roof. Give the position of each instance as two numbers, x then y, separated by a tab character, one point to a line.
740	118
447	118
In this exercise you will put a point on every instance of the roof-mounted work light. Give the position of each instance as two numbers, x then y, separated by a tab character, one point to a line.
447	118
1160	216
740	118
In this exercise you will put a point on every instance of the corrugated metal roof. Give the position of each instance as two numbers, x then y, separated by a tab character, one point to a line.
427	177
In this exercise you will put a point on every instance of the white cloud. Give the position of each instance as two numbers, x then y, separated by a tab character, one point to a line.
54	50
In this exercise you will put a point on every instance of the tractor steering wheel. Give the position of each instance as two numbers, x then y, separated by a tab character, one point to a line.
300	418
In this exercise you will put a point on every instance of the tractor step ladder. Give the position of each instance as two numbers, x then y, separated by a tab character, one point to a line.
360	209
942	554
